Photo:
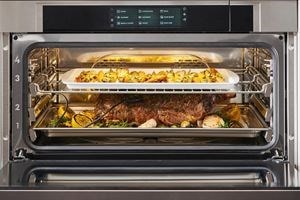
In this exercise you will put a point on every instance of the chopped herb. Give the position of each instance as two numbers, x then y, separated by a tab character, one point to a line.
120	124
53	122
226	124
162	126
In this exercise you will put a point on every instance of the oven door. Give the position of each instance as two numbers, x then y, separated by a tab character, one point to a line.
149	179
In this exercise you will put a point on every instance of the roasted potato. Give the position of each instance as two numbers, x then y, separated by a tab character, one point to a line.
158	77
178	76
122	74
100	76
185	124
134	77
209	75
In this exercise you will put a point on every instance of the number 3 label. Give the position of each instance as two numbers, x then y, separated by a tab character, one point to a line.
17	78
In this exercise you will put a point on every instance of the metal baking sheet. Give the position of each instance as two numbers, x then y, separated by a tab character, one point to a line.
256	126
68	78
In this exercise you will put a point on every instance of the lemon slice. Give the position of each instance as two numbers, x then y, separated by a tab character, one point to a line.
88	113
68	114
80	121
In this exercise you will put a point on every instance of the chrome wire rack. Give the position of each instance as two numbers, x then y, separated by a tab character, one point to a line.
252	82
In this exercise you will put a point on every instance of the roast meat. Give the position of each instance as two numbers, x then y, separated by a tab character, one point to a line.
166	109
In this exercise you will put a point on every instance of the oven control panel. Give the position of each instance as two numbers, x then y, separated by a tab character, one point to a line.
143	17
192	19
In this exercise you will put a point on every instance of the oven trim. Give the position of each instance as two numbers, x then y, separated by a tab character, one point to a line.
23	43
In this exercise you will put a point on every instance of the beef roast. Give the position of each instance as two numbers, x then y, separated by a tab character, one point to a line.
167	109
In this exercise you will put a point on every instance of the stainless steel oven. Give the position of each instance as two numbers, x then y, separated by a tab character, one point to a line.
147	99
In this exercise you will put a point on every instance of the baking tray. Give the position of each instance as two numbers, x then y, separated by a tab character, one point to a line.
256	127
68	78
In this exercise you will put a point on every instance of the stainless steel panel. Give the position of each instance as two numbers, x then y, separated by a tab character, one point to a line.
159	132
4	99
150	195
278	16
125	174
296	57
269	15
1	105
272	15
173	175
292	106
166	180
18	16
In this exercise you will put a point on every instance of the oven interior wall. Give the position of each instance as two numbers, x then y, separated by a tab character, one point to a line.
47	94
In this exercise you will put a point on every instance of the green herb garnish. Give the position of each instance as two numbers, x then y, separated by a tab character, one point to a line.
120	124
53	122
226	124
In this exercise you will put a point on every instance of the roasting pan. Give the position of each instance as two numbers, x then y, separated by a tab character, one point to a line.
255	127
230	80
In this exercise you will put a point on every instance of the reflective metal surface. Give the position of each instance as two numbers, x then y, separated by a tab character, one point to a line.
29	18
253	127
147	179
144	174
4	98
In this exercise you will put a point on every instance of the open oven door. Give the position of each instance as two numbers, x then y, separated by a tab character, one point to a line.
148	179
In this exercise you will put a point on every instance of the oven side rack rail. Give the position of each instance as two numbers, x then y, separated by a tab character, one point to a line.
255	84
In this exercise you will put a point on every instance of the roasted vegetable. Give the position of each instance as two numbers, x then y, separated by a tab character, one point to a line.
151	123
88	113
122	74
209	75
100	76
213	121
62	111
64	122
87	76
158	77
178	76
185	124
231	112
80	121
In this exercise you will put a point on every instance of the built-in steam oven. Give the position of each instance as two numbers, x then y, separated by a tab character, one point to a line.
166	96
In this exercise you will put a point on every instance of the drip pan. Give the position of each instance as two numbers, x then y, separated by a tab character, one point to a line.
256	126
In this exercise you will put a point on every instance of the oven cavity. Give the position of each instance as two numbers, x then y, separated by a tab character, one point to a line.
150	97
